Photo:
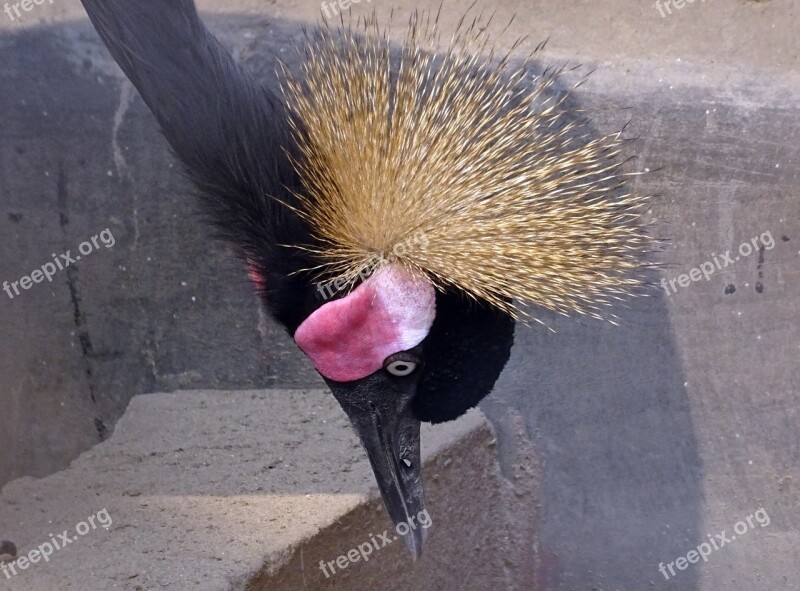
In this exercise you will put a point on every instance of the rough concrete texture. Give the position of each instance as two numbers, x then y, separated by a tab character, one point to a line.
677	424
202	492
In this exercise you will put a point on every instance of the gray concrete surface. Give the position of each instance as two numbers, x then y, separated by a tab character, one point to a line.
79	153
195	490
652	435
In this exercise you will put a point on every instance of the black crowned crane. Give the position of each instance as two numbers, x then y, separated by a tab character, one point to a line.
397	207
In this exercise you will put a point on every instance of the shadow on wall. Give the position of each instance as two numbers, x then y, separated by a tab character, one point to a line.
622	485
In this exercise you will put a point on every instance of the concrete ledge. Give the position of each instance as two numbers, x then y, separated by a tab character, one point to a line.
251	490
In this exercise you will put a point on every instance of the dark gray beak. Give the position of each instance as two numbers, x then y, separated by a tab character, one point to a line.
379	409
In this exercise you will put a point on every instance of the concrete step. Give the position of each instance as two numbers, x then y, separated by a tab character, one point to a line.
211	490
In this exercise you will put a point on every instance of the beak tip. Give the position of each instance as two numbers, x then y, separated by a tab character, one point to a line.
415	542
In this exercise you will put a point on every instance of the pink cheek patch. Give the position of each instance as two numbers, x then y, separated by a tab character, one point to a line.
348	339
255	275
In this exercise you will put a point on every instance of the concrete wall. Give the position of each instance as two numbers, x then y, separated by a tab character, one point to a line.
164	308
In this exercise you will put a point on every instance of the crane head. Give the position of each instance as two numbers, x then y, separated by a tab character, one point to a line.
391	362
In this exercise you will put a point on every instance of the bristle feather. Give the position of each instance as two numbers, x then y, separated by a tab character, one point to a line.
518	204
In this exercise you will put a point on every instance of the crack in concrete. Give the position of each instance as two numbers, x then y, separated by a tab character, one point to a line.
78	316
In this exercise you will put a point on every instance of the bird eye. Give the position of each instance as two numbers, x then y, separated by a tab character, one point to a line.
401	368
